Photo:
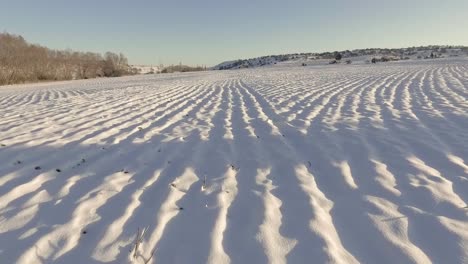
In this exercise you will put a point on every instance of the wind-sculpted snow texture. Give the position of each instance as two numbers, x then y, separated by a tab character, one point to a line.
331	164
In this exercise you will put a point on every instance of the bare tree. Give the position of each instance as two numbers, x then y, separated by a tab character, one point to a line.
23	62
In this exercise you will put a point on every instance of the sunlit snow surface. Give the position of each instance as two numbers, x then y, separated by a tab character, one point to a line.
317	164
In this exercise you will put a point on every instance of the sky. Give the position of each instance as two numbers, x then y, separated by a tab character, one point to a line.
207	32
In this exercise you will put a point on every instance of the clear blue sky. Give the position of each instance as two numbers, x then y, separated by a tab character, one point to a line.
206	32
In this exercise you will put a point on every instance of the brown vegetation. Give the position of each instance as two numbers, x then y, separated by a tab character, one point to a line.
182	68
22	62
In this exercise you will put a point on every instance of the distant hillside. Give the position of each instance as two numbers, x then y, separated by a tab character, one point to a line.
366	54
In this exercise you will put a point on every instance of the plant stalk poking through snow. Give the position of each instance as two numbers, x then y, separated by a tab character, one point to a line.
137	243
150	257
138	240
204	184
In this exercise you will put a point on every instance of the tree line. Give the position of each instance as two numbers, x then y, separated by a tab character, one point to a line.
22	62
182	68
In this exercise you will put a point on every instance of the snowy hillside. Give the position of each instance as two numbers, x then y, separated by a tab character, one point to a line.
359	56
335	164
145	69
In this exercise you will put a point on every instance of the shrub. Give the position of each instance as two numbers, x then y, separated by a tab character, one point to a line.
338	56
183	68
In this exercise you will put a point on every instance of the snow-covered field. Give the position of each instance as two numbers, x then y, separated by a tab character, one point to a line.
326	164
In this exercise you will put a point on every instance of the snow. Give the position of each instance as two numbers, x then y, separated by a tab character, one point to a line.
147	69
287	164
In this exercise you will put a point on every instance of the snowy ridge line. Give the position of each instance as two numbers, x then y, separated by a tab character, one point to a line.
278	242
197	203
358	164
77	142
452	94
99	114
317	109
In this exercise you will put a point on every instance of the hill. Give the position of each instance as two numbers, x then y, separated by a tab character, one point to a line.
358	55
